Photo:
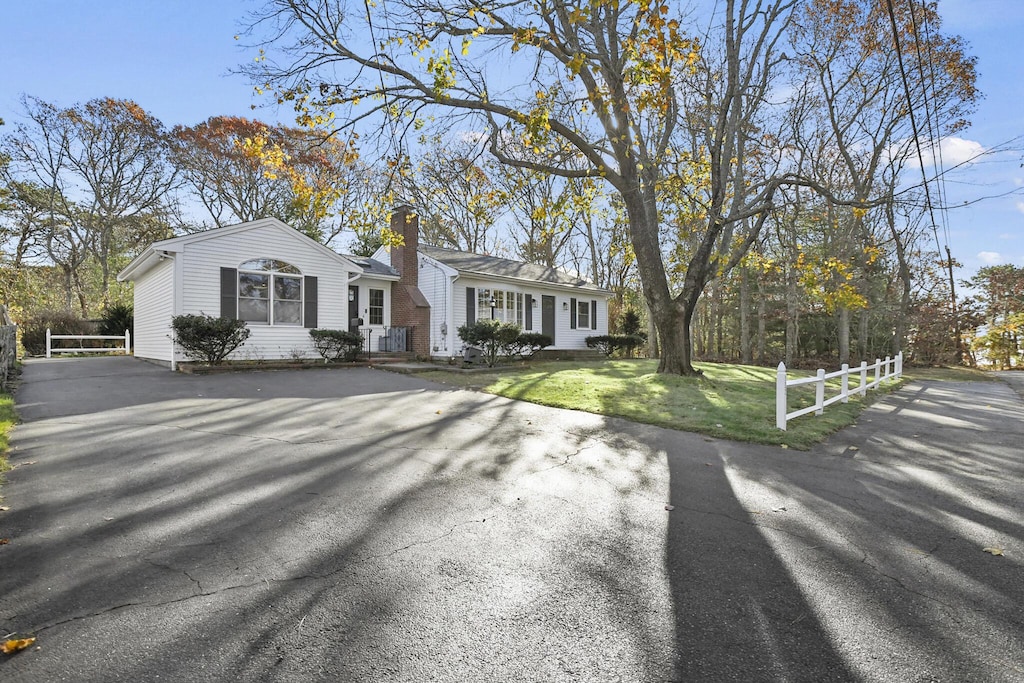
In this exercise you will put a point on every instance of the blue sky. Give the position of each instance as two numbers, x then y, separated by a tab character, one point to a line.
174	58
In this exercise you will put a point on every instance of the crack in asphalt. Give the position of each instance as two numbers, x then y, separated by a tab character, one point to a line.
254	437
262	581
950	609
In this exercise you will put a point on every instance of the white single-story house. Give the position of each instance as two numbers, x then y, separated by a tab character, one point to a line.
461	287
411	298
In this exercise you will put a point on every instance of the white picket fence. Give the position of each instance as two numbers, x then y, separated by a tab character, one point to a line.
890	368
126	337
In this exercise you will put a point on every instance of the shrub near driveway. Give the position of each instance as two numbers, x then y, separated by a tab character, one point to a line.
729	401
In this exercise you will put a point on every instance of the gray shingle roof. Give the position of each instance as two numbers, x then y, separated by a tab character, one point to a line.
478	264
372	267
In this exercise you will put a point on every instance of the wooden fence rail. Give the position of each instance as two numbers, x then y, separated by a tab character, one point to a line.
126	338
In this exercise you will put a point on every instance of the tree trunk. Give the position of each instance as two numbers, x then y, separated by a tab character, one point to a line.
792	313
844	334
671	317
864	333
746	357
701	334
653	349
762	323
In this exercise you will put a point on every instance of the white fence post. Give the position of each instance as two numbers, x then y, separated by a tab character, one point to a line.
127	343
819	392
899	364
845	391
878	372
47	342
863	378
780	397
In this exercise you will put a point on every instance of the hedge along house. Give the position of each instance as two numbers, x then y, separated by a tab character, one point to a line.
444	289
281	282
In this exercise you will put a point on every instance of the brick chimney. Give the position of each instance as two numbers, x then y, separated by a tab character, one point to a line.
409	308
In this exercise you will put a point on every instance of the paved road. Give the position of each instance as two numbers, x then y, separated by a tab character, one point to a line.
354	525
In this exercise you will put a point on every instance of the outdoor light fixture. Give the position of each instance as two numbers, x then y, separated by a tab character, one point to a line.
351	295
493	304
565	305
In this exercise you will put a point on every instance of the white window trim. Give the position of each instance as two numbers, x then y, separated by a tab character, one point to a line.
272	274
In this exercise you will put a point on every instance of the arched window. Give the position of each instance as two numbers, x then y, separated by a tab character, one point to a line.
269	291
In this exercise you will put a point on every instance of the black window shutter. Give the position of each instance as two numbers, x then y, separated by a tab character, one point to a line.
309	310
572	313
229	293
529	311
593	314
470	305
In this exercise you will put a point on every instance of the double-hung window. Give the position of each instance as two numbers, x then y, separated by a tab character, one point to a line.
376	307
500	305
583	315
269	292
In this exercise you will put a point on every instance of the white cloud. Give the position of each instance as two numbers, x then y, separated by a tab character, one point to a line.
957	151
1007	235
953	152
1020	206
990	257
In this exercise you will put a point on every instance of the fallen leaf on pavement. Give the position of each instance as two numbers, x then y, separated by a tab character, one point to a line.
779	509
11	646
438	412
4	508
854	448
670	508
4	541
993	551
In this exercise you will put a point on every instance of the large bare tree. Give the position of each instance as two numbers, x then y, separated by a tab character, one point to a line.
594	80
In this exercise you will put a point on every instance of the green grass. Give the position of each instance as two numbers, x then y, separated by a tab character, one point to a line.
950	374
8	418
729	401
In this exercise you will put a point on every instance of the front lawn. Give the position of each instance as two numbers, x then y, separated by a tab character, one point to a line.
7	420
729	401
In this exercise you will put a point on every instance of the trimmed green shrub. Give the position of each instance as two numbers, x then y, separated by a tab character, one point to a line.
529	343
610	343
33	329
493	337
337	345
116	319
208	339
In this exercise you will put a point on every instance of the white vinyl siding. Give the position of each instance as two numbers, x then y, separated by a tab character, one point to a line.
202	260
435	283
154	306
565	337
371	332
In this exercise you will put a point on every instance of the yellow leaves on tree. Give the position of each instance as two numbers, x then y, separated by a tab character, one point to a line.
311	168
830	280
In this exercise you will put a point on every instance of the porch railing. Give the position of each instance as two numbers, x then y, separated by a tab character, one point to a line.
394	339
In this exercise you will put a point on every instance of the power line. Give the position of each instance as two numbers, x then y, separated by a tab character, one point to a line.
920	159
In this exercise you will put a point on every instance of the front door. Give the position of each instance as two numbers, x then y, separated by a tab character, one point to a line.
547	316
353	308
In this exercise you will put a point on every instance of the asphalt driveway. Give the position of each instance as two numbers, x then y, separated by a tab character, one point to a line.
355	525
